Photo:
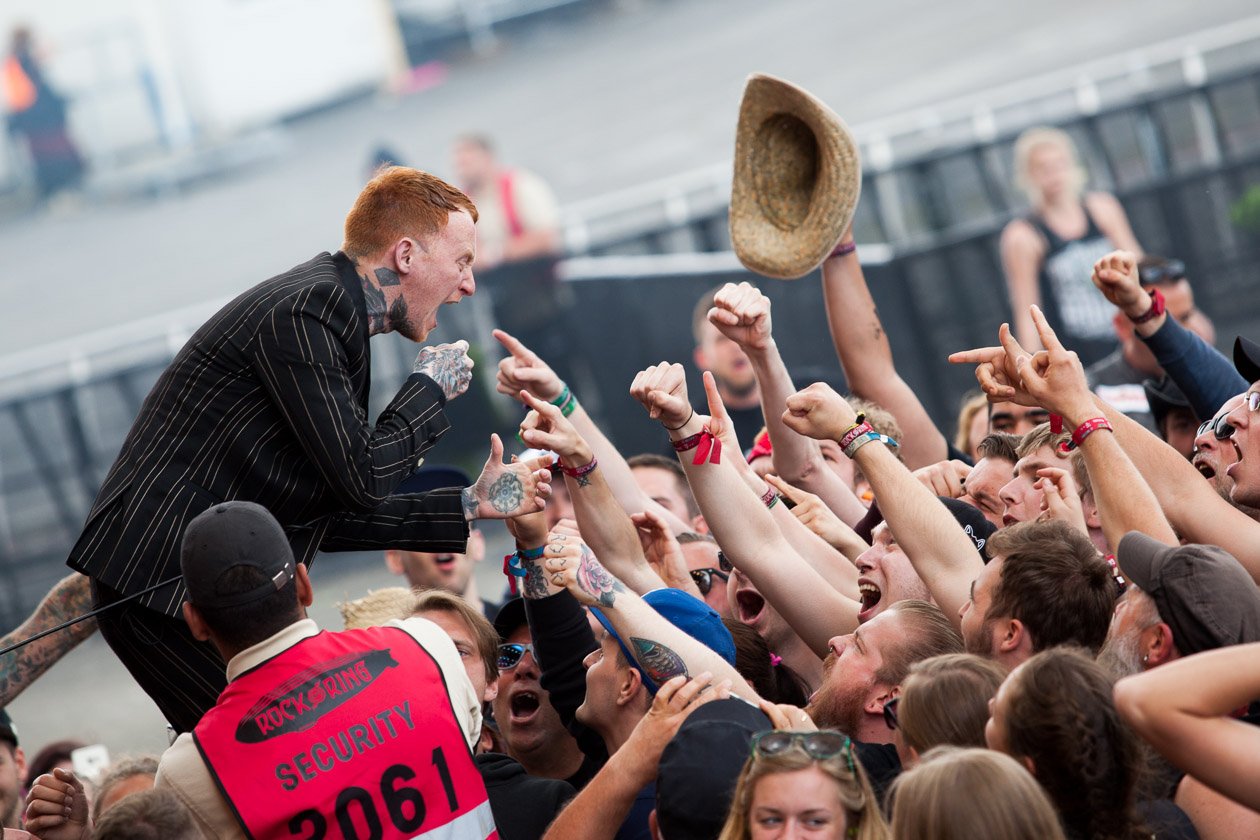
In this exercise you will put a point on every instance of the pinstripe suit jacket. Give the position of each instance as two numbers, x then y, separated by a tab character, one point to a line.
268	402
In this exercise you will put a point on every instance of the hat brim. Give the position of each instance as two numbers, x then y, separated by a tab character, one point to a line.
1140	557
1247	359
781	227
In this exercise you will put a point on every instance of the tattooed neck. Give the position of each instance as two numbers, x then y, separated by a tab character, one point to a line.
377	311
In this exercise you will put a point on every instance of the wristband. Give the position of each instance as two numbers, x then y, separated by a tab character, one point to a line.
1157	308
855	431
580	473
679	426
570	406
563	398
1083	431
707	446
1116	574
870	436
769	498
514	566
843	249
1056	424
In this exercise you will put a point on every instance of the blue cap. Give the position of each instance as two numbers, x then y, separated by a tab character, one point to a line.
690	615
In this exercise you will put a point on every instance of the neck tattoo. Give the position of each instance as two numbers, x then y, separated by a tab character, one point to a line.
377	312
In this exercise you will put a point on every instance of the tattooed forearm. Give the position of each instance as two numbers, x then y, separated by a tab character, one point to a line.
69	598
507	493
596	581
446	364
468	499
374	298
659	662
535	582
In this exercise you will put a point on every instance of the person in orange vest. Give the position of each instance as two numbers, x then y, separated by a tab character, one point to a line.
37	115
359	733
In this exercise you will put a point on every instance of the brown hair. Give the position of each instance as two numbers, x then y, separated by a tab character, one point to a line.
973	793
945	701
1061	716
1054	582
700	314
654	461
774	682
483	632
127	767
400	202
972	405
1038	437
149	815
881	420
861	806
925	633
998	445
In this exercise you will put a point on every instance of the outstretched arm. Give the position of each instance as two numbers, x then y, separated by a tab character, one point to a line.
1022	249
1183	709
867	359
743	526
72	596
604	526
942	554
523	370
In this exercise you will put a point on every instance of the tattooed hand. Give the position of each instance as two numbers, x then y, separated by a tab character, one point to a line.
662	390
572	565
449	365
546	427
522	370
506	490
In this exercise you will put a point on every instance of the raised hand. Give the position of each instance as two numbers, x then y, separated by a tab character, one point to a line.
675	701
1061	499
785	716
545	427
819	412
742	314
523	370
449	365
506	490
569	563
814	514
1055	377
57	807
663	552
997	369
945	478
1116	276
662	390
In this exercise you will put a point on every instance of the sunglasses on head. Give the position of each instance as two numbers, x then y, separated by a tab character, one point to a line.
890	712
510	656
704	578
1219	426
1169	272
818	745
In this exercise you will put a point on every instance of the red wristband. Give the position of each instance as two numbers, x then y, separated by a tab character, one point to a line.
707	446
856	432
1083	431
1056	424
1158	308
579	472
769	497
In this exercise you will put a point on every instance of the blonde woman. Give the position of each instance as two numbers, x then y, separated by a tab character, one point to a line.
973	793
803	784
1048	255
944	701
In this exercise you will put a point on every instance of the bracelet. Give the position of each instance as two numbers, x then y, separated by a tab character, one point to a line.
855	432
580	472
1083	431
514	565
769	498
684	423
870	436
843	249
1158	308
570	406
707	446
563	398
531	553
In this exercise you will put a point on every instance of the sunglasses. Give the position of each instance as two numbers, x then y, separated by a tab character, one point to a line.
510	656
818	745
1252	400
704	578
1169	272
890	712
1219	426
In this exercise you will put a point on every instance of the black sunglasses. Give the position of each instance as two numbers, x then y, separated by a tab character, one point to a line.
890	712
704	578
723	563
1220	428
818	745
1169	272
510	656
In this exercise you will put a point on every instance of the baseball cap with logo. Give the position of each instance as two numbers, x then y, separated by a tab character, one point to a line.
1201	591
227	536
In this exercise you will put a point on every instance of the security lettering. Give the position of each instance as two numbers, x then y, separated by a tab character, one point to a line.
323	755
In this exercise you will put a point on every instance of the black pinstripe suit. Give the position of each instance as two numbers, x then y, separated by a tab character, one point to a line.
266	402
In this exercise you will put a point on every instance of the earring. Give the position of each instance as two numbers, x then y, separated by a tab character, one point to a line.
1144	658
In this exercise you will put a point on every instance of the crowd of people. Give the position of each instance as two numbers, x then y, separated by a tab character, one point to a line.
821	616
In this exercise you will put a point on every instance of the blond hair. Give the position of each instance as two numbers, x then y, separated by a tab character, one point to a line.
971	406
945	701
973	793
861	806
1035	138
483	632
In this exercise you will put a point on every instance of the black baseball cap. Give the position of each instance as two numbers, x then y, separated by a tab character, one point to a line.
229	535
1247	359
511	616
968	517
1163	396
698	770
8	730
1201	591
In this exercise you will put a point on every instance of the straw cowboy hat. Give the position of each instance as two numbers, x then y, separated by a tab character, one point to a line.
797	179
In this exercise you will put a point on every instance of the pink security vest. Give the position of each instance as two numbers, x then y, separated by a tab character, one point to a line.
346	735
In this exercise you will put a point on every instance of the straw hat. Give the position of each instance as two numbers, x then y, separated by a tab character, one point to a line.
797	179
378	607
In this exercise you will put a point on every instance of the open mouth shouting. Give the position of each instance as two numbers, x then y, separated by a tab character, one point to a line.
871	595
524	707
749	607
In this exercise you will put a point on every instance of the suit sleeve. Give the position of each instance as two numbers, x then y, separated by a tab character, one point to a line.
432	521
303	356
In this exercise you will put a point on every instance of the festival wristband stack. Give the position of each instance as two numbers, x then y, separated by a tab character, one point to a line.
566	402
1083	431
869	437
514	565
580	472
708	447
769	498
